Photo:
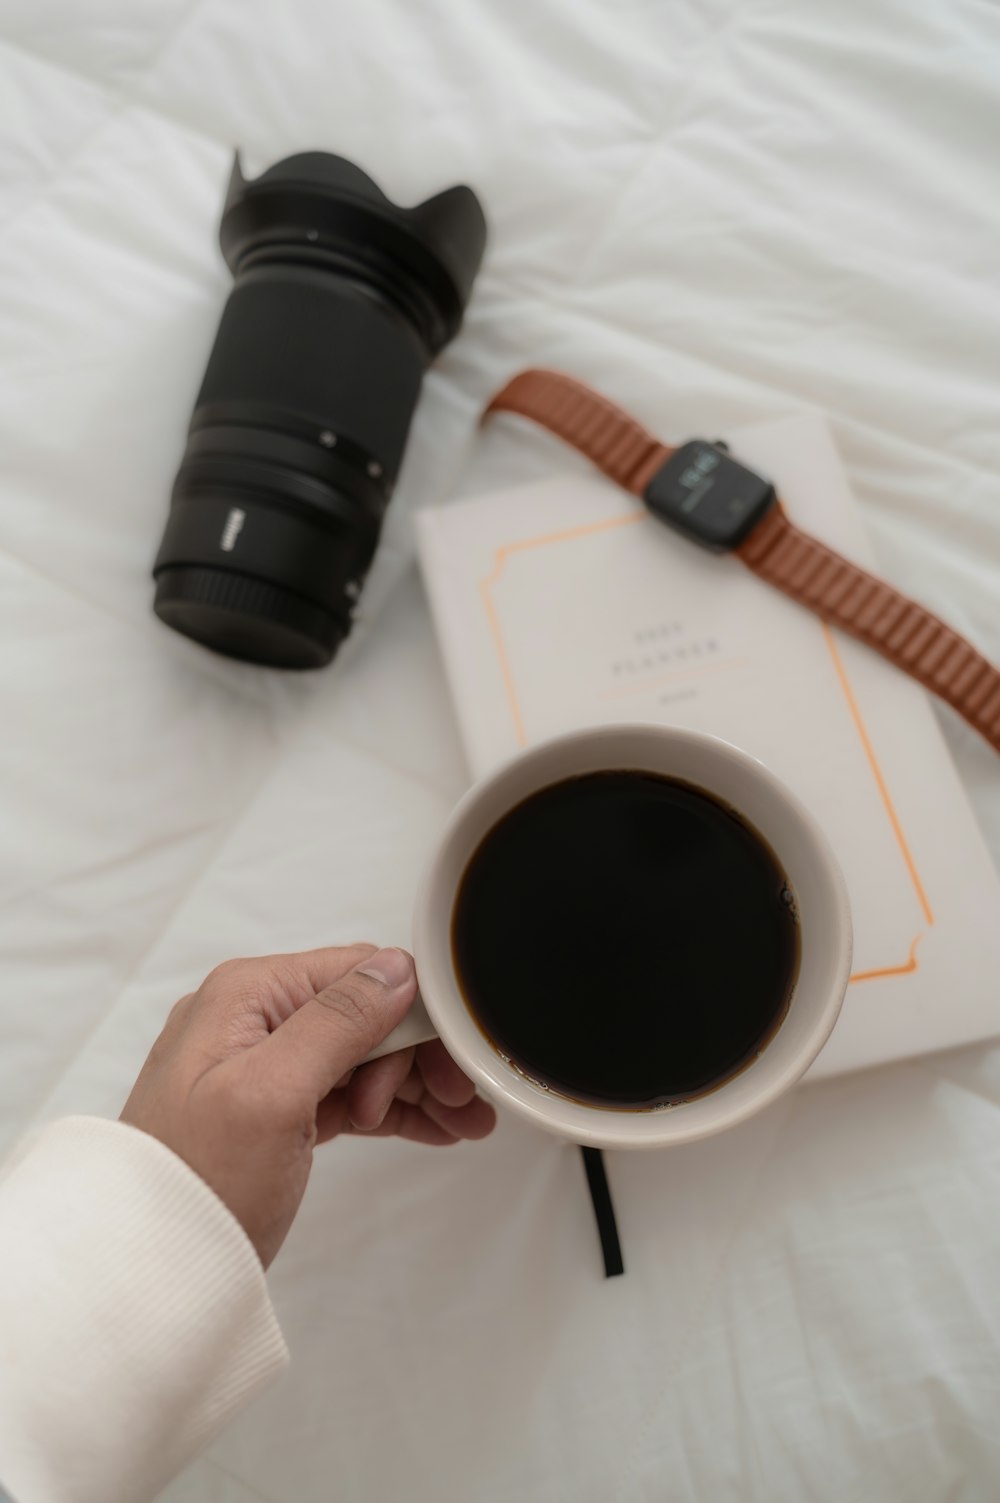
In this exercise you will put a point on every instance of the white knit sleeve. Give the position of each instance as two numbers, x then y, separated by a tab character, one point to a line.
134	1316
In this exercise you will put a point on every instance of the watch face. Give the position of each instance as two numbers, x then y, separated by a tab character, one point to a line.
708	496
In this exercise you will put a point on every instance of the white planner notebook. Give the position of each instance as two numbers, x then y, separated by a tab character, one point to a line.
563	603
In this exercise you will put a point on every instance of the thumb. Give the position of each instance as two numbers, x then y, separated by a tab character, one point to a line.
336	1029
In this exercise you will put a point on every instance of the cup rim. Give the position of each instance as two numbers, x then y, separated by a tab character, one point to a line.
581	1122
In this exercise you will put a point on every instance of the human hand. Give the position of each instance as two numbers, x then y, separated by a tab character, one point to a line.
263	1062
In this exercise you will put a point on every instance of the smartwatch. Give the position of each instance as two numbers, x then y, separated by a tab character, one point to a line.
700	491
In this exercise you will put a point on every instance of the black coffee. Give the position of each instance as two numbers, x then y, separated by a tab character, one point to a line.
625	939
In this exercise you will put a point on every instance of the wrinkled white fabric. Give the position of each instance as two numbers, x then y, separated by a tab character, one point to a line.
719	213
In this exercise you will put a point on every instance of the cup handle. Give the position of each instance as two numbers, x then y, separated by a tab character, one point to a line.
416	1028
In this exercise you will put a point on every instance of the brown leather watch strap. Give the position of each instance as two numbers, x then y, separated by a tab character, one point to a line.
613	441
871	610
799	565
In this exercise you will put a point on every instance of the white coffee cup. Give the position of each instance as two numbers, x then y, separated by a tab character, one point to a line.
736	779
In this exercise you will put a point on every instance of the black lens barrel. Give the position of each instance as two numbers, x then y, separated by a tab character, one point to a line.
340	301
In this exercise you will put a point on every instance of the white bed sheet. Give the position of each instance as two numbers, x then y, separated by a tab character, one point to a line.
720	212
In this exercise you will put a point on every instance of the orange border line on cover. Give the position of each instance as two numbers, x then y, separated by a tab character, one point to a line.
508	678
909	966
486	584
845	684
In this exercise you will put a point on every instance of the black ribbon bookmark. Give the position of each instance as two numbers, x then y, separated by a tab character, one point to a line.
604	1211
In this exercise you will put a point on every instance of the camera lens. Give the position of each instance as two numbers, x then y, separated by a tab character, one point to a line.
340	301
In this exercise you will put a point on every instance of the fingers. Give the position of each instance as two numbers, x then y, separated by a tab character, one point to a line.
430	1122
311	971
435	1084
476	1119
414	1087
291	980
442	1124
372	1088
444	1078
405	1121
271	987
335	1029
